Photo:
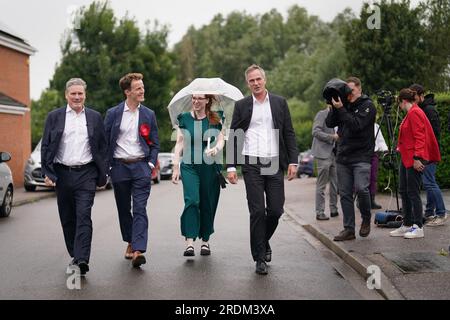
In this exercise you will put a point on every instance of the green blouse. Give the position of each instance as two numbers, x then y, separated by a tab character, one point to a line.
196	133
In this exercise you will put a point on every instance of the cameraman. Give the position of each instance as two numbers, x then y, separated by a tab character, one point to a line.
355	121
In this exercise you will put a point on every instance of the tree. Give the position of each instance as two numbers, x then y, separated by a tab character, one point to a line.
306	68
227	46
103	49
302	122
391	57
48	101
436	18
303	31
299	53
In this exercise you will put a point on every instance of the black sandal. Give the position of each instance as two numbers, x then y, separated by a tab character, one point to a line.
205	251
189	252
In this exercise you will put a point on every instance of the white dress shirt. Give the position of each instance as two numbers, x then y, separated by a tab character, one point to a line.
128	144
261	139
380	143
74	148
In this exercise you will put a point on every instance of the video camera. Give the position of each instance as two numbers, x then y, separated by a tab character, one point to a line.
385	98
336	88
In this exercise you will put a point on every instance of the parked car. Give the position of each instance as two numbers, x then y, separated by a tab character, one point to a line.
156	173
166	163
6	185
305	164
33	174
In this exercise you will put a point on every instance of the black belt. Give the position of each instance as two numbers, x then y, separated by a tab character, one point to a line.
76	167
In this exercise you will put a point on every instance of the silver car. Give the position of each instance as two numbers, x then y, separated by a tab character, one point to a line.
165	164
32	175
6	185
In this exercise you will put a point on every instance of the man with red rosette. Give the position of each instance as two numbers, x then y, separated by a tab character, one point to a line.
133	147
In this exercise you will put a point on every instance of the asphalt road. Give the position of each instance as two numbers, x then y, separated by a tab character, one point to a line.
34	259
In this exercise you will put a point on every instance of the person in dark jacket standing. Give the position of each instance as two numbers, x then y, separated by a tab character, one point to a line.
355	148
435	212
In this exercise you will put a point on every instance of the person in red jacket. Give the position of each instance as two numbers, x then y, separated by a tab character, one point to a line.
417	146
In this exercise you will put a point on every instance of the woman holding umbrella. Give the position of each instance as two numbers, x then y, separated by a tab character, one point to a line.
197	130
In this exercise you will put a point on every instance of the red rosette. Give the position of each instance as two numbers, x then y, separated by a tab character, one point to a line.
144	131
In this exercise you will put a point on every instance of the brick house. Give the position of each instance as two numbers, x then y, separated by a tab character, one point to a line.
15	117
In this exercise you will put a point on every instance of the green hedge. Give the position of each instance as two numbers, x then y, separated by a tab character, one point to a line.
443	170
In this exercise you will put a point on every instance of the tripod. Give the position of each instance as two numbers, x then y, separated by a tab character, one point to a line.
390	161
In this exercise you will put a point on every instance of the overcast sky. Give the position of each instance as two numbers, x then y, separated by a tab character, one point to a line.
42	22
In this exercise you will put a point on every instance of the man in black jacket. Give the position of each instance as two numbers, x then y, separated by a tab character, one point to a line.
263	123
435	212
355	147
73	154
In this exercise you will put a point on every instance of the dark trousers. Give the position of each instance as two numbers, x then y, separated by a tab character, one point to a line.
132	183
409	190
263	219
75	191
354	176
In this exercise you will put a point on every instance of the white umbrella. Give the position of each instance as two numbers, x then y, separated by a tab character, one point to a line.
225	93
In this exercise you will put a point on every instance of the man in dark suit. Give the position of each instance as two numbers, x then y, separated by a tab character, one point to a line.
132	136
73	156
263	141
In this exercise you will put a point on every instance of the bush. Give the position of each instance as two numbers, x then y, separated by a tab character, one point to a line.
443	171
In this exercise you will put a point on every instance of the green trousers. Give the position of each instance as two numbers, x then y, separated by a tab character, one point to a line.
201	194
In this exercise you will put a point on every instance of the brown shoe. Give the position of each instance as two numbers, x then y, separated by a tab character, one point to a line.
138	259
129	252
365	229
345	234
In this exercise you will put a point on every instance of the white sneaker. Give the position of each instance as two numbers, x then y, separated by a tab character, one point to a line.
414	232
400	232
438	221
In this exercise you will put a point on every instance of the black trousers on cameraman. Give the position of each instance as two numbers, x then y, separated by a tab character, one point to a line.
409	189
354	178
